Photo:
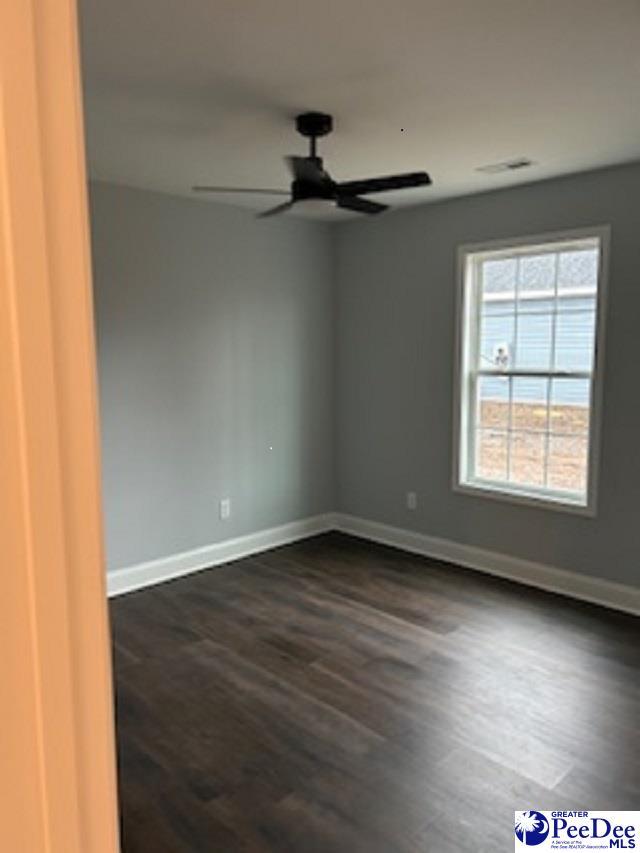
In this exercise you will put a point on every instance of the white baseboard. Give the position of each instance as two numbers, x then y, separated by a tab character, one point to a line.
120	581
584	587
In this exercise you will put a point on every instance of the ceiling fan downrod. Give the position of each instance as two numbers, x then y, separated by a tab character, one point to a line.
314	125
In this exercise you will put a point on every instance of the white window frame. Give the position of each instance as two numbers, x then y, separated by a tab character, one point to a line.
466	312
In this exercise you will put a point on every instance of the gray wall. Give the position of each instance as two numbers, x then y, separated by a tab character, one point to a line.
395	291
215	343
220	336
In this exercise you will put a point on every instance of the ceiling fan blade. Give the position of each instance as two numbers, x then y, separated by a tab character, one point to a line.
205	189
307	169
390	182
361	205
280	208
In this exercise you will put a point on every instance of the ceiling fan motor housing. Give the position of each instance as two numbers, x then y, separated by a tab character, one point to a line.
301	190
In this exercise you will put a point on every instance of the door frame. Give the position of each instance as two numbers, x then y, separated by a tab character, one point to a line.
57	745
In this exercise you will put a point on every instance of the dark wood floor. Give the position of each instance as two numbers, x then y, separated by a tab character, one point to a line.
335	695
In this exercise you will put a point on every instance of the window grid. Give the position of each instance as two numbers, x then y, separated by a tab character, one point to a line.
565	312
552	360
516	290
479	429
530	431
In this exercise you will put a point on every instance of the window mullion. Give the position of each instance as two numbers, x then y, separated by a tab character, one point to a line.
509	426
516	309
516	293
537	374
552	366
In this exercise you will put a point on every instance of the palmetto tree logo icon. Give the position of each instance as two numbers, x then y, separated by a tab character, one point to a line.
531	827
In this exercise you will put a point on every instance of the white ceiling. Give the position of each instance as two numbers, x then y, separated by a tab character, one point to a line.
204	91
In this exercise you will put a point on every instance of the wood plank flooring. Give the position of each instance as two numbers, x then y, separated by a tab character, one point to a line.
336	696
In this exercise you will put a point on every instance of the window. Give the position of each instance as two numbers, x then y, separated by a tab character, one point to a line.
529	368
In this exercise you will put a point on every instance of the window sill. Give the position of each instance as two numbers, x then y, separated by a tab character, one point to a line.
522	497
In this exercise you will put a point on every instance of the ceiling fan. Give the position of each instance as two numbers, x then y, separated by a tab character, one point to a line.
311	181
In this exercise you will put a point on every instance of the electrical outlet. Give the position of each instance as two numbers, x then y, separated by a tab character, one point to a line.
412	500
225	508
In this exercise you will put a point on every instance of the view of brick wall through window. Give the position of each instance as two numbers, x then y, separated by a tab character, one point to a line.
532	368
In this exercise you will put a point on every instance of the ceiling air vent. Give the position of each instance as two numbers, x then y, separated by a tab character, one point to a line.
506	166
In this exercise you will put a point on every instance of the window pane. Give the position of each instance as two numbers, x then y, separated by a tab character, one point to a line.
533	343
491	455
534	304
567	463
527	459
493	402
499	276
575	336
570	402
529	405
496	341
578	269
537	274
497	305
567	303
